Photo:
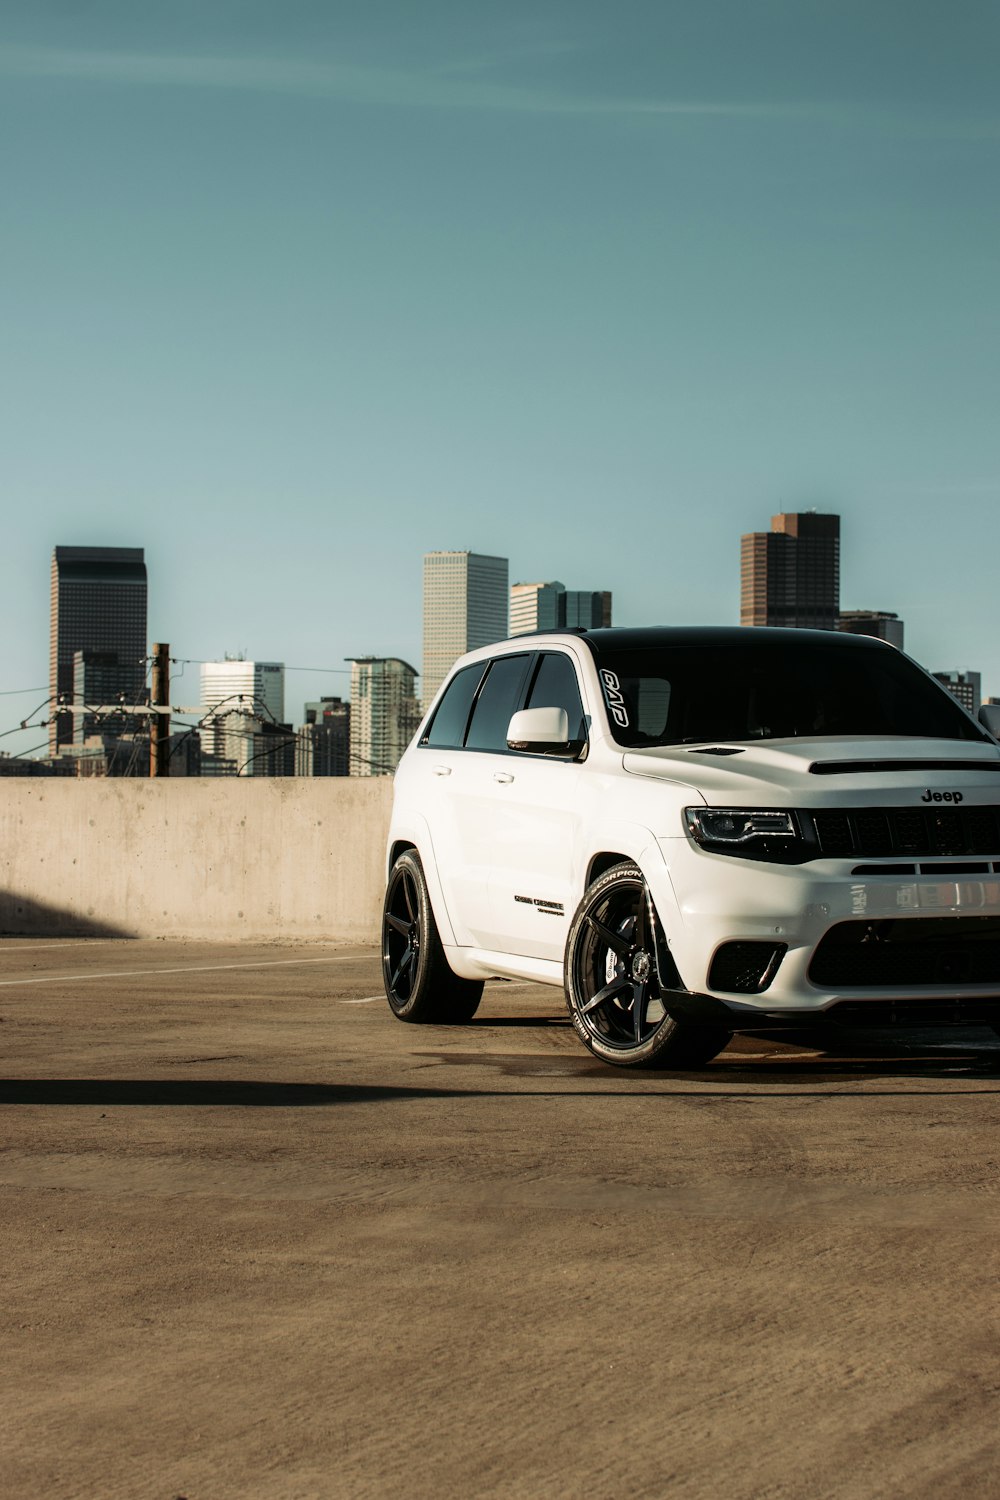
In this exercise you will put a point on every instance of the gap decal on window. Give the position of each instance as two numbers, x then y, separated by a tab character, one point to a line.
615	697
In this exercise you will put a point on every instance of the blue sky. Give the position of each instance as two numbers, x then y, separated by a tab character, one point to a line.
293	293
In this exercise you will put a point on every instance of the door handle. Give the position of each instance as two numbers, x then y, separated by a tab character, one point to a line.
503	776
441	770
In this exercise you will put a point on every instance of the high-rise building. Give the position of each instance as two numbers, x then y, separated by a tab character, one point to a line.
323	744
98	605
465	606
384	713
585	609
536	606
240	698
880	623
790	575
551	606
272	751
965	686
100	680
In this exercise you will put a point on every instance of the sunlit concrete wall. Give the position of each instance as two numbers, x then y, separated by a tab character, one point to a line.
221	859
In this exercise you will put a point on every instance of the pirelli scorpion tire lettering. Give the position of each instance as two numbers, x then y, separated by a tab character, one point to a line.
612	990
419	985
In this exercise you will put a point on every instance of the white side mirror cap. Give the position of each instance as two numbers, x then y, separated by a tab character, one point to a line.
538	726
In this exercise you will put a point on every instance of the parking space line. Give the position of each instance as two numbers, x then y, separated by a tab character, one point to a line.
268	963
19	947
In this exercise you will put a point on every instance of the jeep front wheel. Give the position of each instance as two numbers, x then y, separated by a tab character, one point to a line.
612	986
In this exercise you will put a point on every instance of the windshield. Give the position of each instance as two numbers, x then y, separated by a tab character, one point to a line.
699	694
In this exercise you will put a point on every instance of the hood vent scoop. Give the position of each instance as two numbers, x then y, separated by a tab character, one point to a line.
863	767
716	750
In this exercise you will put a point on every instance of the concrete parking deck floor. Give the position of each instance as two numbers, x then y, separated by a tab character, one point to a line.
259	1239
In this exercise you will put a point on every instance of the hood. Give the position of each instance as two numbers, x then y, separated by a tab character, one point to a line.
817	772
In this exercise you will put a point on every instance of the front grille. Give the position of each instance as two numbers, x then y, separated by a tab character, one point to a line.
914	831
919	953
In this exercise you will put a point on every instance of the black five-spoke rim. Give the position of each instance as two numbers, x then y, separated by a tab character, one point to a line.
615	968
401	936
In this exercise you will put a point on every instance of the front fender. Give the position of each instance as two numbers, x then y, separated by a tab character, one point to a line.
638	843
632	841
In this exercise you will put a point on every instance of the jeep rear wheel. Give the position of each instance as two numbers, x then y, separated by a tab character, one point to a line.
419	984
612	981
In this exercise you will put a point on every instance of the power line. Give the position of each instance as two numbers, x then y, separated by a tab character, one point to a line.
197	661
235	705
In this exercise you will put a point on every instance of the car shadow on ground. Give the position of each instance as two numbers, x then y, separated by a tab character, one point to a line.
845	1066
239	1093
716	1083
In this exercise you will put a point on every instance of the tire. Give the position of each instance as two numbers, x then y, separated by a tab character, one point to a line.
419	985
612	991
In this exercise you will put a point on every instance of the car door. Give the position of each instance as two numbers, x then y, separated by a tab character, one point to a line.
533	886
456	777
476	812
430	780
523	822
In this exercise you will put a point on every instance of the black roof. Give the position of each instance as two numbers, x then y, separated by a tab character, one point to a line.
720	637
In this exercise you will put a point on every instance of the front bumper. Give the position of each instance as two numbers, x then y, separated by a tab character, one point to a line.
707	901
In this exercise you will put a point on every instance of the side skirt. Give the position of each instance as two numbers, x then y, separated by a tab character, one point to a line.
481	963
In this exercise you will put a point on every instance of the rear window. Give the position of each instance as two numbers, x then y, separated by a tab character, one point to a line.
697	694
447	728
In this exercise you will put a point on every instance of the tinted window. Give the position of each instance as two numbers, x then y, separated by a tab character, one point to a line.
497	701
555	686
695	694
452	714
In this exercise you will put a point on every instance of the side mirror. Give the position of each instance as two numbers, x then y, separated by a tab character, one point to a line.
539	729
989	717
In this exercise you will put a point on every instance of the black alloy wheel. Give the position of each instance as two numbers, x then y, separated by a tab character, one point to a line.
419	984
612	981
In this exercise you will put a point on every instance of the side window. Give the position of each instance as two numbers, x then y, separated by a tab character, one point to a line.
498	699
452	715
555	686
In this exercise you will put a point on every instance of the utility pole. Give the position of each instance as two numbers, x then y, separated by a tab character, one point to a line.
159	719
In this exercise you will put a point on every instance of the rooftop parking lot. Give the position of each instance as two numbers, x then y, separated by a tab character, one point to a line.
259	1239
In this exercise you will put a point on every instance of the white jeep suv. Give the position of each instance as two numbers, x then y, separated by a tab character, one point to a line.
695	832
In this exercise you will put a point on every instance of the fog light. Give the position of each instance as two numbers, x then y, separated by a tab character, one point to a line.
745	968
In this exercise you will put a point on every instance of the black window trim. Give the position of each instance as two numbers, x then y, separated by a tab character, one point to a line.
524	693
424	742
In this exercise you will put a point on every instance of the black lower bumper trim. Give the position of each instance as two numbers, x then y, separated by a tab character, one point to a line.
979	1010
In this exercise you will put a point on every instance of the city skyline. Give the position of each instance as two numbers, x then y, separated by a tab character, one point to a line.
595	291
237	661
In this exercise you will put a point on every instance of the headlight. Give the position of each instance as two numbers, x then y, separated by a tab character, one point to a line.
753	833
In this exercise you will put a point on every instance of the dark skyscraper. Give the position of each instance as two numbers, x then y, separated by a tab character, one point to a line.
587	609
98	606
323	746
790	575
880	623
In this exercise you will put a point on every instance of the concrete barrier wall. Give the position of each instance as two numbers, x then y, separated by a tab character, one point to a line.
257	858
